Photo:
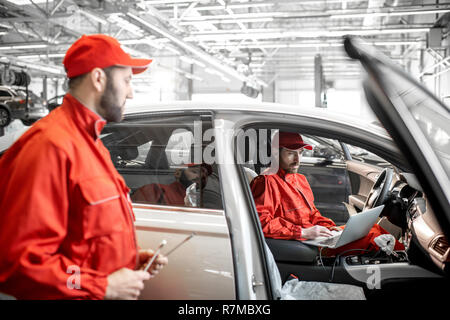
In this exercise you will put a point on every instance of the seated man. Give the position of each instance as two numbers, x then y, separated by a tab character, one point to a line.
285	202
175	193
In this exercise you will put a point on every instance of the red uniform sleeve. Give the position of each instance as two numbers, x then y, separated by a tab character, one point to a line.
266	203
33	223
150	193
318	219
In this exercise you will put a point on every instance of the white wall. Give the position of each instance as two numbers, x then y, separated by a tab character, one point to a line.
346	97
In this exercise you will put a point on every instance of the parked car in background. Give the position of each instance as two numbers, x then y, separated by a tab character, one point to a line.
54	102
15	105
405	166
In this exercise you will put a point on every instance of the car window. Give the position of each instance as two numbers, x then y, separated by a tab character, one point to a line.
323	149
158	161
323	167
178	147
4	93
31	94
366	156
431	117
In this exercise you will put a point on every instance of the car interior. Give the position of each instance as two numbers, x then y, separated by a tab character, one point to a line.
143	153
347	179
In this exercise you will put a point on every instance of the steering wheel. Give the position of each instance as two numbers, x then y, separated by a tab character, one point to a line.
380	190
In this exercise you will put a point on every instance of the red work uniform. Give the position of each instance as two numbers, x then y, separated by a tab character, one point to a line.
66	221
169	194
285	204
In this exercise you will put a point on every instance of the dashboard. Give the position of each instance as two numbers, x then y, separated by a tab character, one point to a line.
416	216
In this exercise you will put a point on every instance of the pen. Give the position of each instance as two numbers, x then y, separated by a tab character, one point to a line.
177	246
163	243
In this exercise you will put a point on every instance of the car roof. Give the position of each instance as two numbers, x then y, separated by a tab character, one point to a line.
260	107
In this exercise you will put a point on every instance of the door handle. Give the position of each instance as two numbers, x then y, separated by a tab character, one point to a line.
256	283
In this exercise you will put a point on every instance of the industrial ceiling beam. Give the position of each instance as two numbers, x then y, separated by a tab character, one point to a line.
319	14
205	57
324	33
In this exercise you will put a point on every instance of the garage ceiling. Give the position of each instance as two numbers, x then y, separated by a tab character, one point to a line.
256	41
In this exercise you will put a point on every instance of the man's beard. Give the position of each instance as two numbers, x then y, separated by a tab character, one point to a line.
111	111
292	169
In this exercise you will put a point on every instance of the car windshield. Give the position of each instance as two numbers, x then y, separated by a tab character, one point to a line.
432	117
366	156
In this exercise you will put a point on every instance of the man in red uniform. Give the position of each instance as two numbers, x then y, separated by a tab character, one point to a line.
285	202
66	221
175	193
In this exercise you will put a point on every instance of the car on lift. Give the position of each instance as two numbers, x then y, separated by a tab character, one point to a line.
403	164
17	103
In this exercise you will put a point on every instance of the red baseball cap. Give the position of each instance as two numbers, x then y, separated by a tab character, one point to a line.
99	51
291	140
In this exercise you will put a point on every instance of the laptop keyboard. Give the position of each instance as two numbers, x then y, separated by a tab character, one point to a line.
330	241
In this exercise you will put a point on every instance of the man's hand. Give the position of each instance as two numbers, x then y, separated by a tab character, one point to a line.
316	231
125	284
335	228
145	256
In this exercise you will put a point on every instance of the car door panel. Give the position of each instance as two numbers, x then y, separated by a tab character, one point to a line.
150	152
204	260
362	177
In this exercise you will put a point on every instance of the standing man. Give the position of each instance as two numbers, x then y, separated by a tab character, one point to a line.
66	220
285	202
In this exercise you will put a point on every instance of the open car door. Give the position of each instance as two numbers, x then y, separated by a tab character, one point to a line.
417	121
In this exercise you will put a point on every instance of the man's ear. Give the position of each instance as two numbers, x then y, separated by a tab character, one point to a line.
98	79
177	174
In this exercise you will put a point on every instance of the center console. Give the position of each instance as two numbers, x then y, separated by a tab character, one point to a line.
377	259
375	269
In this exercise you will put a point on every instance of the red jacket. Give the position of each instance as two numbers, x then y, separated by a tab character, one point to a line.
285	204
63	208
170	194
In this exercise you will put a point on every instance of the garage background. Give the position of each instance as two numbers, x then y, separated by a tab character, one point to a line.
231	50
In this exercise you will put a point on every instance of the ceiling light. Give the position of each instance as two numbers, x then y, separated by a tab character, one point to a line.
25	46
212	71
192	77
41	56
302	34
238	16
35	66
122	23
155	2
24	2
235	6
377	13
228	21
192	61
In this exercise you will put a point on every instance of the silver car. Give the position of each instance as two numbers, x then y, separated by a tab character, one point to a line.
354	166
15	104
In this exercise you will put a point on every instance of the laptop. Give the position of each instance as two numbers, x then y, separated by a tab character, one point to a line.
357	227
